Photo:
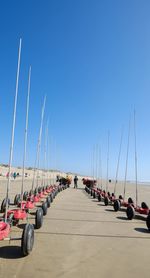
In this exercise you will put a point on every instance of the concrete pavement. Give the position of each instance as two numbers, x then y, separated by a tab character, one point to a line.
81	238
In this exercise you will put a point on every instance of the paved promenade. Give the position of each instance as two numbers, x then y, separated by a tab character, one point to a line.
81	238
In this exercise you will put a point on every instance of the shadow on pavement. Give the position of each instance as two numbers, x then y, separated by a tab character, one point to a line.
122	218
142	230
110	210
10	252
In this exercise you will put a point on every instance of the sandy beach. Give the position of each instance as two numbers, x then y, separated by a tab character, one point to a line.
81	237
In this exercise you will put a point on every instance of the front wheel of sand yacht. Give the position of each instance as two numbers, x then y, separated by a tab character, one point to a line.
116	205
48	199
44	208
130	212
148	222
27	240
25	195
3	205
106	201
99	198
17	199
39	218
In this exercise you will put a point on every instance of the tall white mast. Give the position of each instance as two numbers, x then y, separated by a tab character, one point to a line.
38	146
117	170
107	162
26	133
127	155
13	129
135	158
100	167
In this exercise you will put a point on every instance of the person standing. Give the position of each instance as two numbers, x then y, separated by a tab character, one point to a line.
75	182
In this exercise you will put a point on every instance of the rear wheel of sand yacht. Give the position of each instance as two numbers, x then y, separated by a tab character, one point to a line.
106	201
27	240
130	212
39	189
48	199
116	205
99	198
39	218
144	205
148	222
130	201
3	205
44	208
17	199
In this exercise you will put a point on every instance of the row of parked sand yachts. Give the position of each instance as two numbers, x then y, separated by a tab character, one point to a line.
35	202
118	203
39	199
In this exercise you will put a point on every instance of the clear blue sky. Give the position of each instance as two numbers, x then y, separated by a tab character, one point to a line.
92	59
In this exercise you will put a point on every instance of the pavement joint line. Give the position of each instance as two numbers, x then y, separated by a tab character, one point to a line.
93	221
93	235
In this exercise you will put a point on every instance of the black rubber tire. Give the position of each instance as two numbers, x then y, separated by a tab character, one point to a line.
3	205
27	240
39	189
148	222
91	192
51	197
99	198
130	212
25	196
94	195
116	205
44	208
17	199
31	192
120	197
144	205
130	201
35	191
106	201
108	193
48	199
39	218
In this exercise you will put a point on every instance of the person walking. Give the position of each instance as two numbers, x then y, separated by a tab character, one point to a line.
75	182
